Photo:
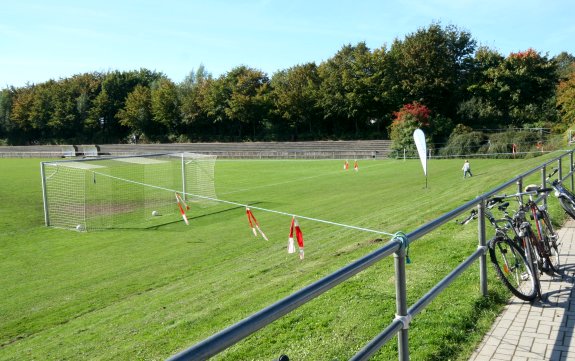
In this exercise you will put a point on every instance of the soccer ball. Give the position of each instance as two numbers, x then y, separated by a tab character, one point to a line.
79	228
155	213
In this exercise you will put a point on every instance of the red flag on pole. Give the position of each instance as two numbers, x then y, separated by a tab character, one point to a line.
299	237
179	200
291	246
254	224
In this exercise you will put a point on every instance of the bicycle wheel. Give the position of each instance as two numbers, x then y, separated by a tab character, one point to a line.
550	242
513	268
568	205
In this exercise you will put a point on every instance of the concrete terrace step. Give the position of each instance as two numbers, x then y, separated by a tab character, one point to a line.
301	150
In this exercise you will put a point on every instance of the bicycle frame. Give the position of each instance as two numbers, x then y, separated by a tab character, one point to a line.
560	190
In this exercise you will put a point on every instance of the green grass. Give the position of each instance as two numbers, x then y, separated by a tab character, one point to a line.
130	294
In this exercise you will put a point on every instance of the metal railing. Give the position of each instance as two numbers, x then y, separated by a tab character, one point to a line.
396	246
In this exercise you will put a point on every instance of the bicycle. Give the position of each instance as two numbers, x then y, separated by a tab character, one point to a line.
547	245
507	257
566	198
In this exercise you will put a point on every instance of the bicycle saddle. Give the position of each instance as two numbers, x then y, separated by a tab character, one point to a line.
532	188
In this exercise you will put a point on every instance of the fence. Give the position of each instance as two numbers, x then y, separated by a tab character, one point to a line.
397	246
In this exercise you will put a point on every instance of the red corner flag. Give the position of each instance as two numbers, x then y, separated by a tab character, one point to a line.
355	166
298	235
291	247
179	200
254	224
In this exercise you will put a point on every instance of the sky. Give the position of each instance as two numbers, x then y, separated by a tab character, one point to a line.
42	40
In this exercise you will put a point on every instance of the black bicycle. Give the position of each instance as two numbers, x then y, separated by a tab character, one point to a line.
509	260
547	245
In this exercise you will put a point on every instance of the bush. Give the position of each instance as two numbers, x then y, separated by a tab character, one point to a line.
463	143
501	144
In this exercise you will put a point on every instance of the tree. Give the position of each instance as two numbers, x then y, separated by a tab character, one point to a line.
482	108
194	98
517	91
566	98
30	114
564	62
84	89
166	107
382	85
115	88
531	80
347	94
5	110
295	99
430	66
406	120
137	113
247	104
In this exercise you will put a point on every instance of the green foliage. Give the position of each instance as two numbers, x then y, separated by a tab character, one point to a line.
347	89
514	91
479	112
566	98
429	66
524	141
295	96
463	143
247	102
165	107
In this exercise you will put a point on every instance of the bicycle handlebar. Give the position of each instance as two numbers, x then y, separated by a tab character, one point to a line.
555	170
528	192
472	215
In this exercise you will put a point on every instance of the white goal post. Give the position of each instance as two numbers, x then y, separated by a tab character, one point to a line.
124	192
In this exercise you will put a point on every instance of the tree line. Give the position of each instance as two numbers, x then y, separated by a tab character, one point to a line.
436	78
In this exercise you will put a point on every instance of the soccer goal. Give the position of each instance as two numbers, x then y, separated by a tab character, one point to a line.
125	192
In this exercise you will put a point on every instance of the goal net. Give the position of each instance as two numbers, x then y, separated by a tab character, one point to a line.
125	192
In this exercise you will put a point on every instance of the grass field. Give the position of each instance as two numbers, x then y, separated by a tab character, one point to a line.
145	294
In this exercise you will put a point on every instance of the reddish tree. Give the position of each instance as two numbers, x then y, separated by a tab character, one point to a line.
413	111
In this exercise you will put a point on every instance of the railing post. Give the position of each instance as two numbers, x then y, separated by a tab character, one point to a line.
520	187
571	168
401	301
559	166
482	243
543	183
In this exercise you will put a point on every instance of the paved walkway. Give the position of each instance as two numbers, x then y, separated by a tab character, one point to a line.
543	330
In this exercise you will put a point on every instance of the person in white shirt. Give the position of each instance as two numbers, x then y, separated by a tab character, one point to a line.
466	169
